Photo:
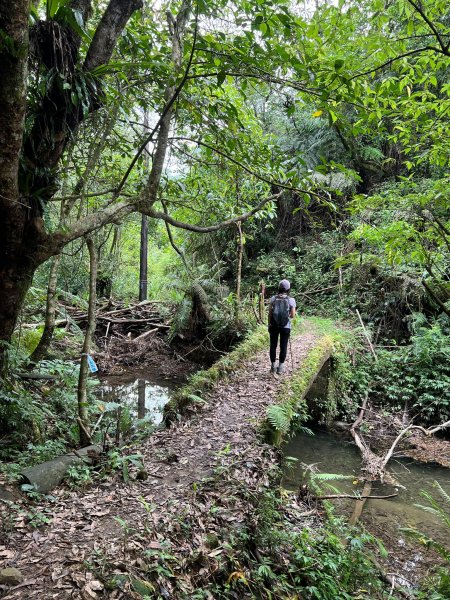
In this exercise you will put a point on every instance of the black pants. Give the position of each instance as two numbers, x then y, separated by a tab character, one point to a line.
284	334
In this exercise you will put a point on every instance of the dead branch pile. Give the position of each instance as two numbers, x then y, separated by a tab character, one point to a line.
135	321
128	335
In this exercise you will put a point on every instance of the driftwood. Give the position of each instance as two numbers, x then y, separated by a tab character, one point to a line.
373	465
131	321
48	475
359	504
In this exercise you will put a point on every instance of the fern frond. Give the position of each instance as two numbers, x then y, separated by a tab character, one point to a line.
279	417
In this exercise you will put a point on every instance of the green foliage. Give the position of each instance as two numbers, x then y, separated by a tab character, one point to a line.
119	461
436	586
44	413
324	563
79	476
419	374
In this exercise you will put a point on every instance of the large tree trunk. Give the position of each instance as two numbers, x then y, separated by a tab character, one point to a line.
14	277
24	244
14	284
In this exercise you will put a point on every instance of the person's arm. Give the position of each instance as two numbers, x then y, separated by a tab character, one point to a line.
292	312
270	313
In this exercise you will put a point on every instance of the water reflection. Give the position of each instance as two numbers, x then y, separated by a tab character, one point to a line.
144	398
328	454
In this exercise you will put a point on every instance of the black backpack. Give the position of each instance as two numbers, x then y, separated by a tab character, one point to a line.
280	312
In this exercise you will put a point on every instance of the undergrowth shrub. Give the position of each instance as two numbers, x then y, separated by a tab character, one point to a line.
293	560
39	420
415	376
418	374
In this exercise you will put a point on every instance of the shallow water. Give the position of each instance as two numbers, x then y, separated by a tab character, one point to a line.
143	395
329	454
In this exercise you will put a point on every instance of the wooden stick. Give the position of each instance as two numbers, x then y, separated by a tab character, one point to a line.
367	336
359	505
353	497
99	420
144	335
132	321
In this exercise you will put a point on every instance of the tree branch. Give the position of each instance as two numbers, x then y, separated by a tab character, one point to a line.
112	24
171	96
394	59
53	243
155	214
245	168
431	25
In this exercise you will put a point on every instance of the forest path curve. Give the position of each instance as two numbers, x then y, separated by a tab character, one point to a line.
52	558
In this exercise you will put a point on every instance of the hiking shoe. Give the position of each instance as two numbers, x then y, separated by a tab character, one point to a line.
273	368
280	369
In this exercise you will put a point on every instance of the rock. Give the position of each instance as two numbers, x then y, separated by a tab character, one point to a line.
10	576
6	494
172	458
340	426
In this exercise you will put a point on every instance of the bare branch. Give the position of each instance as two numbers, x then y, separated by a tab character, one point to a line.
417	6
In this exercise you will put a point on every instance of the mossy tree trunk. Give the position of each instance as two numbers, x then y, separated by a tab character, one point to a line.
41	350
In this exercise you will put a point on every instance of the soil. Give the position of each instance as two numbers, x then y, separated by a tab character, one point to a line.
101	525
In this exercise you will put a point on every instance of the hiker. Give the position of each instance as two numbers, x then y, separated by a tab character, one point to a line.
281	311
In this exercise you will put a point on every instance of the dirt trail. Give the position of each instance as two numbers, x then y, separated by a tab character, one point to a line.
52	558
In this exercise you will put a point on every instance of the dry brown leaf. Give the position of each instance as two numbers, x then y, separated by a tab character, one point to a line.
5	553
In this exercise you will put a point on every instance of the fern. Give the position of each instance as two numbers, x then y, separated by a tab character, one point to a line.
279	417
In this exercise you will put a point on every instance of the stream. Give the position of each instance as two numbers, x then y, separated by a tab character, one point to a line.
327	453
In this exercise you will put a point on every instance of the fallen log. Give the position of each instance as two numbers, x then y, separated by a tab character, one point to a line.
48	475
359	504
37	376
58	323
